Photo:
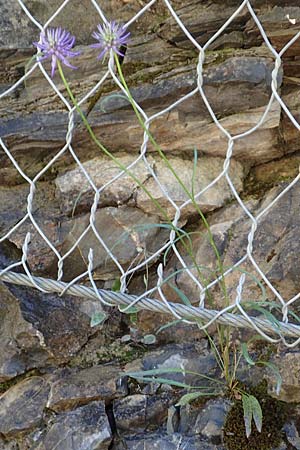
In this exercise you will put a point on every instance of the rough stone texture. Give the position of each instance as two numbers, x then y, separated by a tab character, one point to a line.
38	329
160	441
211	419
288	365
206	172
5	445
22	342
85	428
275	248
44	331
79	388
293	436
22	406
189	357
139	411
126	231
75	192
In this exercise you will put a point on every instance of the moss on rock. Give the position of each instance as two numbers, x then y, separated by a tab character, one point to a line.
274	416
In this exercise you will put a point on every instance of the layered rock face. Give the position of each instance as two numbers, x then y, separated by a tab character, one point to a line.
52	363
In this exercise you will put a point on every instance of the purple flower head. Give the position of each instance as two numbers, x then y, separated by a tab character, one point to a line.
55	44
111	36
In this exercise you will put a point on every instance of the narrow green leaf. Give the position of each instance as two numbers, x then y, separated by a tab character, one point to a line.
256	412
153	372
246	355
187	398
247	413
194	173
180	294
164	381
168	325
268	315
97	318
295	316
275	370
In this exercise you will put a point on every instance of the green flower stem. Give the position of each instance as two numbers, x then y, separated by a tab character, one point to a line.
116	161
168	164
223	334
101	146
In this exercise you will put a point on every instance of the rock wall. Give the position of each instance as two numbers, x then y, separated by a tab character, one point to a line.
53	376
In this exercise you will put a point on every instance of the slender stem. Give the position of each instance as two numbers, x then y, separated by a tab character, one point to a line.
117	162
178	179
102	147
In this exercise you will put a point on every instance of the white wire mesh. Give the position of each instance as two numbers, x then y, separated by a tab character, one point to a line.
233	313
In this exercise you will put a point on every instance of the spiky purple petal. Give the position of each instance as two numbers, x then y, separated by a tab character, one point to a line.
110	36
56	44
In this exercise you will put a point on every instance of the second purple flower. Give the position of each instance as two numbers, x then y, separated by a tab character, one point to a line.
111	36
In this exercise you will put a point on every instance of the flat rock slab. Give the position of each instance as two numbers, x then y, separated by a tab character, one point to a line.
38	329
95	383
22	406
127	232
76	193
288	365
211	420
160	441
23	344
139	411
85	428
188	357
192	179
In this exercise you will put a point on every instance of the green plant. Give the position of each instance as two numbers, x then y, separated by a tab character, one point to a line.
226	384
227	358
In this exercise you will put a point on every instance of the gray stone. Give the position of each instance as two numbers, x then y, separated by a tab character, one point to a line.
275	250
150	322
24	344
129	233
288	365
161	441
79	388
13	208
139	411
22	406
211	419
189	122
8	445
17	30
39	329
187	357
76	193
85	428
207	170
292	435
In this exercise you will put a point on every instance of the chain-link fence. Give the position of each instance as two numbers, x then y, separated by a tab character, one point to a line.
147	255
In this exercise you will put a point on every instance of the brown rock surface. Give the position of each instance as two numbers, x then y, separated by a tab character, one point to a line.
22	406
85	428
39	330
79	388
126	231
139	411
